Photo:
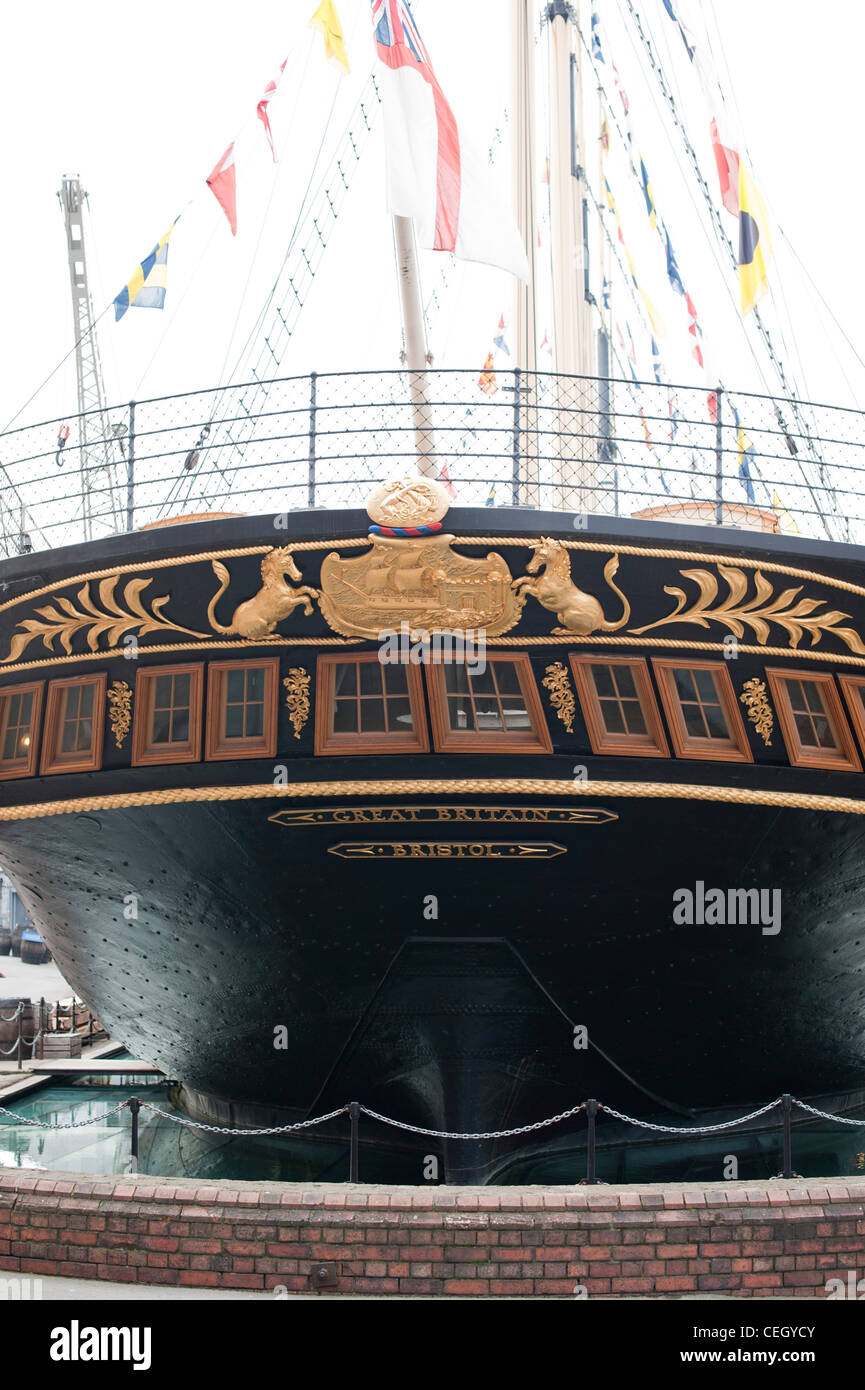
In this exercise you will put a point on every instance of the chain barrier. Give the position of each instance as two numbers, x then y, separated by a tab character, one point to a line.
445	1133
17	1014
488	1134
698	1129
824	1115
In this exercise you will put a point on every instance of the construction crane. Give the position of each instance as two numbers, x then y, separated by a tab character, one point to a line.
98	441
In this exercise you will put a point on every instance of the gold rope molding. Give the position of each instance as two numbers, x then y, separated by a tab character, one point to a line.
432	786
550	640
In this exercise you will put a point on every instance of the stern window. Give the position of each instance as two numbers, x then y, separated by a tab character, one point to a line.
74	725
812	720
701	709
19	729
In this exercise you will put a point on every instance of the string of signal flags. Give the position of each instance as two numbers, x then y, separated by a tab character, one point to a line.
147	285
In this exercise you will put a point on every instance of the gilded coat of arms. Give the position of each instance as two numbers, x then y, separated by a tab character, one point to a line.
421	582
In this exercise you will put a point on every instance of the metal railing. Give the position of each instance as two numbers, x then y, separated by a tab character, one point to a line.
576	444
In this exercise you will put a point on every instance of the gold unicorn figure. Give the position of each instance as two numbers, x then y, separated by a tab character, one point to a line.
554	589
275	600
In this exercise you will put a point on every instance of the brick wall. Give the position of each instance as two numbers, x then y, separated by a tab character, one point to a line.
786	1238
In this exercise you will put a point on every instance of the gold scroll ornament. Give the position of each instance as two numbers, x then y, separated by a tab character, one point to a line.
755	696
558	683
119	697
297	697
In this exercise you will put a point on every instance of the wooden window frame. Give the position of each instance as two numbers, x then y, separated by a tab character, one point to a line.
217	749
329	744
448	740
849	686
848	759
51	765
653	744
21	768
145	754
685	745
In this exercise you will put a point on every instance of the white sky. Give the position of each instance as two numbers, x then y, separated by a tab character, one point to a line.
142	102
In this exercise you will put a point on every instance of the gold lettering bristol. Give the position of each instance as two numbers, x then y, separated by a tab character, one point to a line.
446	849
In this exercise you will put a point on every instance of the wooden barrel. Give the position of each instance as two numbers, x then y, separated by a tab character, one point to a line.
9	1030
5	941
33	949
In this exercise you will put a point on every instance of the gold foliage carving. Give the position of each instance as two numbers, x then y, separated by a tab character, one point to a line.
108	617
558	683
796	615
754	695
297	697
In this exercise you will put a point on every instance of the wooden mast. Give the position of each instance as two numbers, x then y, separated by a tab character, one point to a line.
574	348
525	335
414	333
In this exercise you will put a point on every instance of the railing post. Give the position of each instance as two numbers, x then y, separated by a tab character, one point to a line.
130	470
134	1107
591	1115
786	1115
310	499
518	401
719	456
20	1032
42	1029
354	1117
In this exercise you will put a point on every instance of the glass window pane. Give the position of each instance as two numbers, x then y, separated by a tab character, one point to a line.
516	715
693	721
180	726
254	721
804	730
507	678
372	716
345	717
345	679
814	696
684	682
370	677
823	731
161	723
706	686
603	681
14	703
162	692
234	687
181	690
85	735
634	718
72	702
399	716
9	749
612	714
716	722
395	680
456	680
482	682
460	713
625	681
255	684
488	716
797	695
234	721
26	711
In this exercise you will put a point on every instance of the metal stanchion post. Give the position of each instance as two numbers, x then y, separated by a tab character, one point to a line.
354	1117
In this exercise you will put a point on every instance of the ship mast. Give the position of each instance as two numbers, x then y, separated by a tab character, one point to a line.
414	334
573	345
525	335
95	449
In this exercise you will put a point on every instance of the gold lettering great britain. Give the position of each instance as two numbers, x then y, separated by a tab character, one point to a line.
441	815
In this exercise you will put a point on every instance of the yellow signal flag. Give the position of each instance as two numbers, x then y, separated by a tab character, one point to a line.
755	242
785	520
326	20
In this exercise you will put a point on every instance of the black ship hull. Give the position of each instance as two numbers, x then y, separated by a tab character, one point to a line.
464	941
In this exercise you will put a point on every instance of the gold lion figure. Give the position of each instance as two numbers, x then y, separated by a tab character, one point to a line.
576	611
275	600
